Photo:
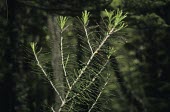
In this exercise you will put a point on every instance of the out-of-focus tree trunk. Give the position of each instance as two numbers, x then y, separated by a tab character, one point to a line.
13	87
10	61
56	56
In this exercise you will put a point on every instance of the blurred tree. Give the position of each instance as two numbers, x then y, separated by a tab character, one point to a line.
149	22
16	24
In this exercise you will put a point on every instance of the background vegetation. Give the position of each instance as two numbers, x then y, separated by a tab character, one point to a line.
140	67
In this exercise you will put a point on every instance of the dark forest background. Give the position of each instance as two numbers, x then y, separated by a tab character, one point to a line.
141	69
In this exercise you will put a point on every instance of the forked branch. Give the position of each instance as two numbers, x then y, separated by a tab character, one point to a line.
114	24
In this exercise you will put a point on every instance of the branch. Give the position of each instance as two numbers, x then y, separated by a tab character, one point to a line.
89	61
62	58
44	72
52	109
92	56
87	36
91	82
99	93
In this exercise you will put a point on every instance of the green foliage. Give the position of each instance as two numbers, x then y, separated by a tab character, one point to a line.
115	20
82	84
111	51
85	17
62	21
143	62
32	44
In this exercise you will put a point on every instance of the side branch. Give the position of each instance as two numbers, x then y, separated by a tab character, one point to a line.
63	65
89	61
99	93
91	82
92	56
87	36
44	72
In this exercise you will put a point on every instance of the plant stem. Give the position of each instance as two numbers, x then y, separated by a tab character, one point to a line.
45	74
99	94
62	60
88	41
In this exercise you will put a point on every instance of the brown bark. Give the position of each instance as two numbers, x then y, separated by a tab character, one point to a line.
56	56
